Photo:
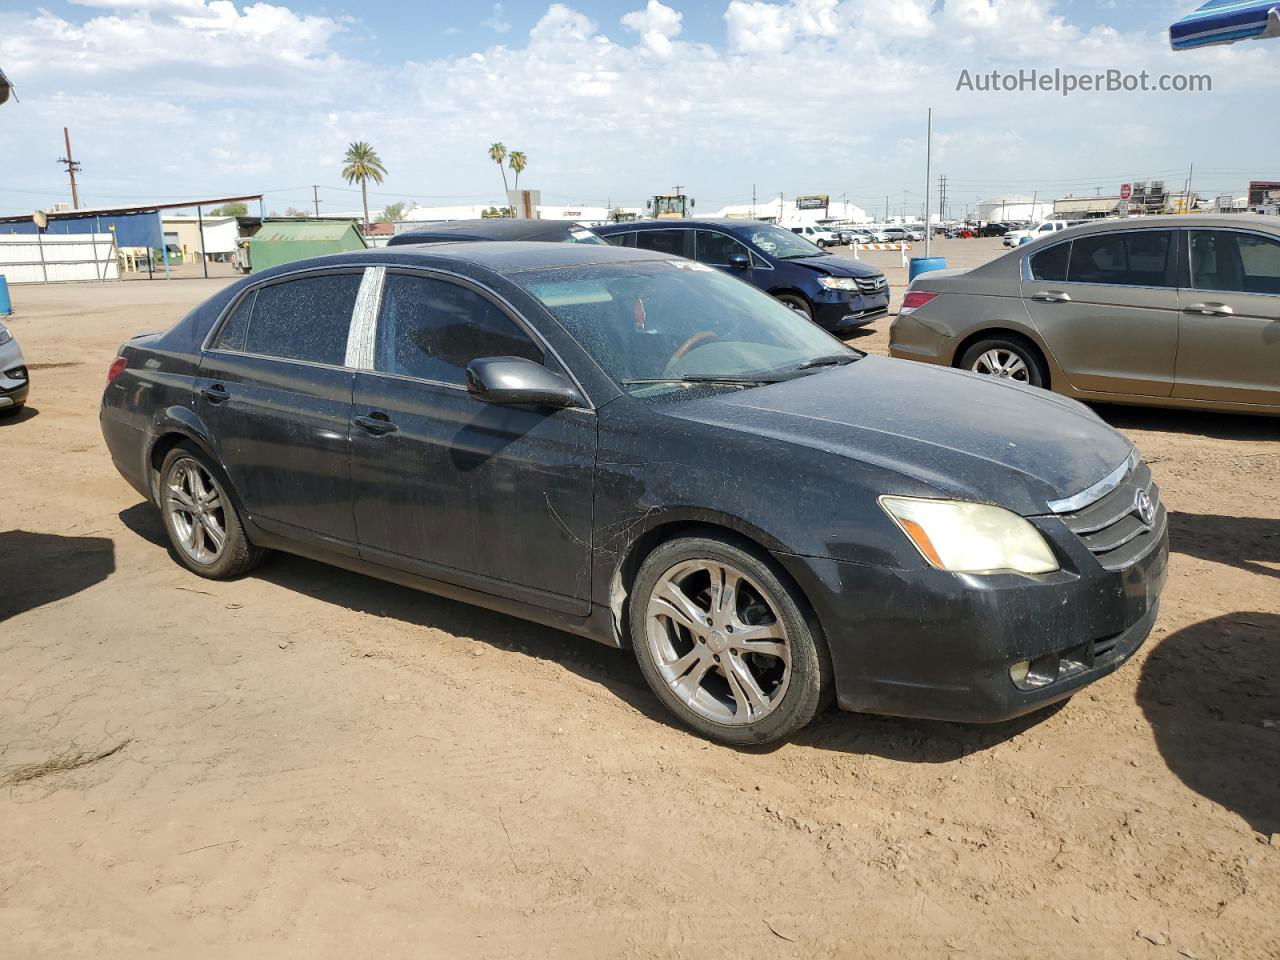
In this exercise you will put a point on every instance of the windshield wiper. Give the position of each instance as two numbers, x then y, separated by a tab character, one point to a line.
833	360
706	378
804	256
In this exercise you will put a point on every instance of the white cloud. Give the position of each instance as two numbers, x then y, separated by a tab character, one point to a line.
496	21
800	96
657	25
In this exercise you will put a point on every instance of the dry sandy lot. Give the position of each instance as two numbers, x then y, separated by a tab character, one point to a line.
310	763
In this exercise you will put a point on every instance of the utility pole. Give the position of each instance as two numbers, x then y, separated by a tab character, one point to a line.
886	208
753	201
315	195
1186	202
942	197
72	169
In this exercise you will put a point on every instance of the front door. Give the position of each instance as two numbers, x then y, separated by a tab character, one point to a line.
1230	343
715	248
1106	305
275	393
496	498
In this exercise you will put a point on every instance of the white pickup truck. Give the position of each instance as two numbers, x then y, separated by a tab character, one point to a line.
1014	237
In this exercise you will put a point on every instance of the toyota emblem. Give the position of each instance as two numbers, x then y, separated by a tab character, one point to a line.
1146	509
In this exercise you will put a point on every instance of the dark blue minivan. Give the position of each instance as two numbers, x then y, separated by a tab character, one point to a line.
836	293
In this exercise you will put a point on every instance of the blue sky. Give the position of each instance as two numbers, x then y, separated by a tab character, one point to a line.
612	100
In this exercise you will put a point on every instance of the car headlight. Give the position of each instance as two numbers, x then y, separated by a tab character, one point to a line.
964	537
839	283
5	335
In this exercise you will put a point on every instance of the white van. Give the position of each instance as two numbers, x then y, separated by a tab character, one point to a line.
819	235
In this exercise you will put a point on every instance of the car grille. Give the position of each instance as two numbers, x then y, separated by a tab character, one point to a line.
872	284
1113	527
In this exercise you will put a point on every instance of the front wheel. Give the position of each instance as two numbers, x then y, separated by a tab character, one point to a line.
798	304
1006	358
202	523
724	643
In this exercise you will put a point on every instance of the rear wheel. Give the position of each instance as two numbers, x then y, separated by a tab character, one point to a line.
724	643
202	523
1006	358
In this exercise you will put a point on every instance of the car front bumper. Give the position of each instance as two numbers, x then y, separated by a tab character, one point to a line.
839	311
15	379
929	644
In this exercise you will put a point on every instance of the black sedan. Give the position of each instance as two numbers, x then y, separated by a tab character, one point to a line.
497	228
651	453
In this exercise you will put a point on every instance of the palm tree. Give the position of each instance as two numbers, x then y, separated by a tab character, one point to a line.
363	164
498	153
518	162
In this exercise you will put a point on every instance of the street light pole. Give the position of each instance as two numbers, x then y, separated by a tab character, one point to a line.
928	177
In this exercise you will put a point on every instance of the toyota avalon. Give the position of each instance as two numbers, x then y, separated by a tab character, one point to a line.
649	452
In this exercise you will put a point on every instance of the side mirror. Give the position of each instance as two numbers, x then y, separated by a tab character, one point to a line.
739	261
517	380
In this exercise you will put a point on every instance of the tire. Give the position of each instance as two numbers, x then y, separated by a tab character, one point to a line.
13	411
191	528
702	678
1007	357
796	303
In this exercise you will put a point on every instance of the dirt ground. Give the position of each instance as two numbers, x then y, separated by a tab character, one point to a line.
310	763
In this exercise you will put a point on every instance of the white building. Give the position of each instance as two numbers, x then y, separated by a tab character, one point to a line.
219	235
784	213
1014	207
582	213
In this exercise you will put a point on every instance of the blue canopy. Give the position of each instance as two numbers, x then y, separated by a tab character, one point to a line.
1226	21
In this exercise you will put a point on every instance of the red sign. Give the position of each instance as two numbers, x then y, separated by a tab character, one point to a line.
1126	191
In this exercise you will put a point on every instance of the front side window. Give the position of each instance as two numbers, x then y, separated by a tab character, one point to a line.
304	319
621	239
431	329
1051	264
673	242
658	326
1231	262
716	248
1130	258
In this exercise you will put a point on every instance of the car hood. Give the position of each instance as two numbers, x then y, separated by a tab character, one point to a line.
947	432
834	266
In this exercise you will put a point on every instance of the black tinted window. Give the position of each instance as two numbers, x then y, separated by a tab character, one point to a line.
1234	262
619	239
306	319
717	248
1134	258
1051	264
232	334
664	241
432	329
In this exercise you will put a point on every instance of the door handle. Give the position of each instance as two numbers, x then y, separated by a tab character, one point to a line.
1051	296
216	393
377	423
1209	309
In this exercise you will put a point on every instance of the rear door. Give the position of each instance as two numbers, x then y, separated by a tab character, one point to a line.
1230	342
275	392
677	242
497	498
1106	305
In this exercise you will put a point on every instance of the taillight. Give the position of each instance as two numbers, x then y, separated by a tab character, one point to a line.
117	368
914	300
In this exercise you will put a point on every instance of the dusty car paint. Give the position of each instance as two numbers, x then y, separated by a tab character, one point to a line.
546	514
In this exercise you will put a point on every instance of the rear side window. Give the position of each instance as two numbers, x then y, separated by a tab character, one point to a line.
1234	262
1133	258
431	329
232	334
620	239
1051	264
305	319
674	242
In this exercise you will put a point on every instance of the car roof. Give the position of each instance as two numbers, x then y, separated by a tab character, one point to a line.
489	228
1085	228
724	223
500	257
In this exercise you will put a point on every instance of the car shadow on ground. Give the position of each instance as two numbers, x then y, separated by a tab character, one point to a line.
22	416
907	741
1211	693
1249	543
40	568
1200	423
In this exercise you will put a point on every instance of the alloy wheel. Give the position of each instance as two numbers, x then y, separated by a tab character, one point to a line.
195	505
1002	363
718	642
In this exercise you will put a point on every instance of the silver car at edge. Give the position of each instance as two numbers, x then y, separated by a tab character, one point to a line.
14	378
1172	311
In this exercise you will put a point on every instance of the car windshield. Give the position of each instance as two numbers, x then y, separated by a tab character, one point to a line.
784	244
583	235
661	326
